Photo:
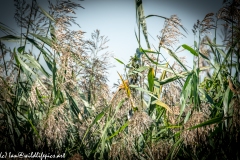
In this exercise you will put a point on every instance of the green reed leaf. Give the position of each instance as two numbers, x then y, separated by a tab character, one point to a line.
151	79
45	40
152	15
10	38
119	61
119	130
23	64
190	49
47	14
47	57
171	53
35	64
209	122
21	49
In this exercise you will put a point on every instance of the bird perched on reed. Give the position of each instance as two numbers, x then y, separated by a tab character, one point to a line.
234	88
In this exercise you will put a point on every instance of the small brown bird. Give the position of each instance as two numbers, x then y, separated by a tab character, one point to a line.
232	87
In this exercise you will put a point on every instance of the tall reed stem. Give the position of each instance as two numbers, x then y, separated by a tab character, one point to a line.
4	62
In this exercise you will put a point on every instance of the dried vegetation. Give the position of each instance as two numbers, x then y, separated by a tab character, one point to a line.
158	111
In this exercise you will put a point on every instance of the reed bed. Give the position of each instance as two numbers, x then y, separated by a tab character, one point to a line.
158	111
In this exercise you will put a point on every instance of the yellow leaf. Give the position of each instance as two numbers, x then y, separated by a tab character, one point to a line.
127	89
125	86
158	102
162	78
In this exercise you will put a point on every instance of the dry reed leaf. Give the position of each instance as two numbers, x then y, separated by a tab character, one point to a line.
158	102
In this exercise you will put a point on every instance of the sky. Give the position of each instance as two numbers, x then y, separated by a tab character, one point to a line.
116	19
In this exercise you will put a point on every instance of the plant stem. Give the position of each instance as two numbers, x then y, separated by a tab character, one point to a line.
157	60
29	20
5	66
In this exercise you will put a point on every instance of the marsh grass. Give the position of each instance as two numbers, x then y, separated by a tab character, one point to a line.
158	111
